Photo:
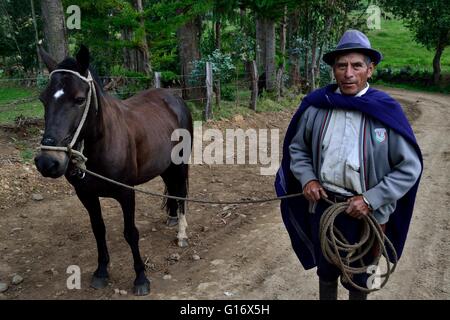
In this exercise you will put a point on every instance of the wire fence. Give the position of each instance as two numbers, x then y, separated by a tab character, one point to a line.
19	97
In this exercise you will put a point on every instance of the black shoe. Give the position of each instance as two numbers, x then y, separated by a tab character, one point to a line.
328	290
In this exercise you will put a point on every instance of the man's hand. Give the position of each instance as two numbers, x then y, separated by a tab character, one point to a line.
313	191
357	207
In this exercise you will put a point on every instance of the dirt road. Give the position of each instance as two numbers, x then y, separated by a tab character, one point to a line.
244	251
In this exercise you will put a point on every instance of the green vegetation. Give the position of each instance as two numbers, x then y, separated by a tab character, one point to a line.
32	109
18	102
11	94
229	109
399	49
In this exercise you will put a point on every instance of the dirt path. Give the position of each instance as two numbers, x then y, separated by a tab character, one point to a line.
245	251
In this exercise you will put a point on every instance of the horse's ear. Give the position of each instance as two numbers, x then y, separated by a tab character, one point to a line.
83	58
49	62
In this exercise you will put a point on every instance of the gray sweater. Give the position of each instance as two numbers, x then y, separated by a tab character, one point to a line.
389	168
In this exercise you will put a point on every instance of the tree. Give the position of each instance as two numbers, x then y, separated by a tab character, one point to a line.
18	37
188	35
430	23
54	29
267	14
136	54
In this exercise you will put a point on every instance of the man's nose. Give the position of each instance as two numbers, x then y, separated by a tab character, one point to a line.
349	72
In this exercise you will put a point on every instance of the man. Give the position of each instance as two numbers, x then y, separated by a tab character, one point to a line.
348	142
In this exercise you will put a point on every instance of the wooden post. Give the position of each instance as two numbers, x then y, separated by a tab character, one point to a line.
254	77
207	114
218	92
157	79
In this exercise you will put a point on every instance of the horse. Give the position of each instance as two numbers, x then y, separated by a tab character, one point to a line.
125	140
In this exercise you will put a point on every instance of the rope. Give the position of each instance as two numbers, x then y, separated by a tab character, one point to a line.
155	194
337	250
332	242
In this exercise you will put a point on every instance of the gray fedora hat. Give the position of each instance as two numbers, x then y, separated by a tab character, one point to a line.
353	41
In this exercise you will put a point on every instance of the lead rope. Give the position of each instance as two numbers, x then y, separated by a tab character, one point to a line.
333	243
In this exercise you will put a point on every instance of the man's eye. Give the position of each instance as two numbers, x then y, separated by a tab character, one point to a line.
80	101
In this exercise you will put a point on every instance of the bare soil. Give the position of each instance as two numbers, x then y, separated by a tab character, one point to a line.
244	251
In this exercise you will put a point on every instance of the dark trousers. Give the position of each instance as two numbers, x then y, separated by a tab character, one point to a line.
351	228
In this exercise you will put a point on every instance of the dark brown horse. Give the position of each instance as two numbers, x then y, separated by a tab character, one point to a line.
128	141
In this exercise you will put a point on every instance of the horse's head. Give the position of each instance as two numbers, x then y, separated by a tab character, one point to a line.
64	101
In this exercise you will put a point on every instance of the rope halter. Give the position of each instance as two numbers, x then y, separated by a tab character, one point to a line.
78	156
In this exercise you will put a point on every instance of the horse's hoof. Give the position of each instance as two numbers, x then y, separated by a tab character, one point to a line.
99	283
142	289
183	243
172	222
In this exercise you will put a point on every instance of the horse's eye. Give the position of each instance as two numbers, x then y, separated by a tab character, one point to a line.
80	100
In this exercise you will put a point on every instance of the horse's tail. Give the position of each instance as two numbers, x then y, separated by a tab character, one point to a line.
182	170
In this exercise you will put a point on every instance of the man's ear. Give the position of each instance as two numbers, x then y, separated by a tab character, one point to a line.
49	62
83	58
370	69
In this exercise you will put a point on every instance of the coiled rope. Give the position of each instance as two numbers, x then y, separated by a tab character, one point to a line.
338	251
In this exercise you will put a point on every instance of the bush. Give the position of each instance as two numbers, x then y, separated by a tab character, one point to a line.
222	68
228	93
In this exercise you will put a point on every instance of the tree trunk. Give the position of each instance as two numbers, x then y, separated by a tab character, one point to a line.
280	72
218	43
270	55
294	62
54	29
142	55
129	53
36	37
188	42
437	63
260	43
306	69
218	35
312	74
323	40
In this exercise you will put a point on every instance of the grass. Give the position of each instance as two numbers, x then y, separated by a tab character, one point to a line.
415	87
11	106
399	49
229	109
32	109
10	94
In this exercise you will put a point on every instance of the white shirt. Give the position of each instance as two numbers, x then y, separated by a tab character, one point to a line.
340	170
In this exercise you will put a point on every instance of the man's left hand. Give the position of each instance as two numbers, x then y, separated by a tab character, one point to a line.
357	208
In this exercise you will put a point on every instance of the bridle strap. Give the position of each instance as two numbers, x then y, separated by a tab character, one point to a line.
92	96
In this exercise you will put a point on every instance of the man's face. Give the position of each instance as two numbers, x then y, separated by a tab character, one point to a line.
351	72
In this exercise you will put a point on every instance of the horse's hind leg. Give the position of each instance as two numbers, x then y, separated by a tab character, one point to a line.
92	204
126	199
175	178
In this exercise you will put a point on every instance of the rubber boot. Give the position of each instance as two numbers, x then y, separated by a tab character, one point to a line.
357	295
328	290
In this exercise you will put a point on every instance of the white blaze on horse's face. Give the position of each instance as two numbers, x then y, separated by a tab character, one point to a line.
58	93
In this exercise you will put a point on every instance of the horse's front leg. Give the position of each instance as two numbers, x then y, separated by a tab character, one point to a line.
131	233
92	204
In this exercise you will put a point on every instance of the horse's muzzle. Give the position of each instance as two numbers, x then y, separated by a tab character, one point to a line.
51	164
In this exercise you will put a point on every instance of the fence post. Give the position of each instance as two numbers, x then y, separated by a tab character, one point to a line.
218	92
254	78
157	79
207	114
